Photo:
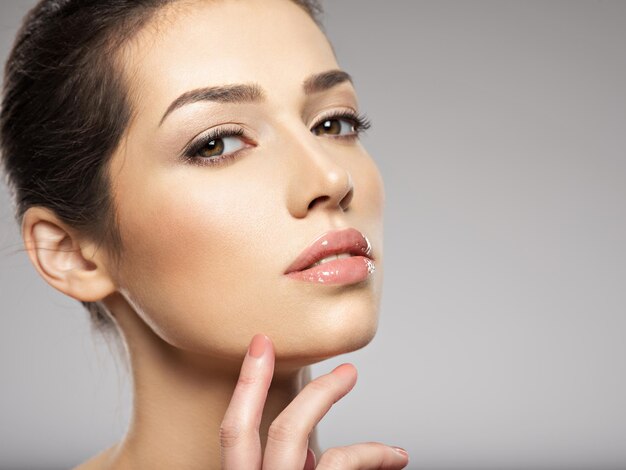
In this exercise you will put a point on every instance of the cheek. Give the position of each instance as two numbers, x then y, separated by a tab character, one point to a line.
188	251
368	203
373	190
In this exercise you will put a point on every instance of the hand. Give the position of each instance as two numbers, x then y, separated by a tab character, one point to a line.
287	442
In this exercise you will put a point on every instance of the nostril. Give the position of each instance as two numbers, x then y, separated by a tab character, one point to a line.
347	199
318	200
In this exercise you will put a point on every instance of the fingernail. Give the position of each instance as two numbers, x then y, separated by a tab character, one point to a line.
257	346
344	370
310	459
401	451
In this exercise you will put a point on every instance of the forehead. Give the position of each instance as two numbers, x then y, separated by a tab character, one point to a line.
196	44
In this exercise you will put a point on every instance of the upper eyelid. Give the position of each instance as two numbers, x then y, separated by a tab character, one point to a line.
228	130
336	112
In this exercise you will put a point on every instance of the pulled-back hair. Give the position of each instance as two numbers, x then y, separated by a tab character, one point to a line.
65	107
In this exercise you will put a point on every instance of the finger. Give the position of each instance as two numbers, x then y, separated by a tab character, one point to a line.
239	432
365	456
309	464
287	439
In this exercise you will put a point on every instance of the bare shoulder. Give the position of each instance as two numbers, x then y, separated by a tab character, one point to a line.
100	461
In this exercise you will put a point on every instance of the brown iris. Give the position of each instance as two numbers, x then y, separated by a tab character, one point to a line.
212	148
330	126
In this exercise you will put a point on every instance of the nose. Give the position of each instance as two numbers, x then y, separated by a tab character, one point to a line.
319	180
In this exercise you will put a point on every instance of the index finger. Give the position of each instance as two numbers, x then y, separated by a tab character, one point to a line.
239	433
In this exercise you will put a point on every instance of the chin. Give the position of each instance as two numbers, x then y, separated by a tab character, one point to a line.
345	329
350	335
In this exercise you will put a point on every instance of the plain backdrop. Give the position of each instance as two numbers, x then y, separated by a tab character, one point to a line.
500	131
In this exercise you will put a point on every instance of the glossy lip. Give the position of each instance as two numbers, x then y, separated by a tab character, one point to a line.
333	242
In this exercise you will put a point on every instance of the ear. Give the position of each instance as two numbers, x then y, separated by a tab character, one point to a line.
69	264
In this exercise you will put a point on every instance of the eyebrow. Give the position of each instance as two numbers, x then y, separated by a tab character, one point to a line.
324	81
250	93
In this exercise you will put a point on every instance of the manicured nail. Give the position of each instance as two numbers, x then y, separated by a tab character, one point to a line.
310	459
401	451
258	345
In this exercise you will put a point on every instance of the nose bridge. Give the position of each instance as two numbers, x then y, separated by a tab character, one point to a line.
318	179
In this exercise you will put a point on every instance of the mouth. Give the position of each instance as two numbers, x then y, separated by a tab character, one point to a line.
336	257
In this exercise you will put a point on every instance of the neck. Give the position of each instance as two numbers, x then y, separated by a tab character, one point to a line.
179	402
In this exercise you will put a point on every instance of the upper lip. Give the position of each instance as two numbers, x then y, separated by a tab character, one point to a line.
333	242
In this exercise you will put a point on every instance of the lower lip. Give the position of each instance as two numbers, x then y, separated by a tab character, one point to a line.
339	271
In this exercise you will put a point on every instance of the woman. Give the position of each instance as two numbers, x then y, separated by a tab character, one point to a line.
191	172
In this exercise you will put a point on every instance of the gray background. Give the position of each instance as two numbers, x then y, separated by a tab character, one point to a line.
500	130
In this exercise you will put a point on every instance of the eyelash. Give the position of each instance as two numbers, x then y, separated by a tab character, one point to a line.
358	121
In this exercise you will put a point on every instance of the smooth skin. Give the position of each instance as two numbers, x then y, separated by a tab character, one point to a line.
206	247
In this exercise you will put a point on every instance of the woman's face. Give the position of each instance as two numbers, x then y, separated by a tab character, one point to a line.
207	245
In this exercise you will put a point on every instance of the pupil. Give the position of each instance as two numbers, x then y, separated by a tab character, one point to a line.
332	126
214	147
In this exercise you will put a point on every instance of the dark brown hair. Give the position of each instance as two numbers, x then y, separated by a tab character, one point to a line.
65	107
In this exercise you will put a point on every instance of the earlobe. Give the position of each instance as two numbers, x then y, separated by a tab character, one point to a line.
67	263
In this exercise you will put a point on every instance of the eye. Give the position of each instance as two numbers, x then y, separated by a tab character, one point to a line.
216	147
334	127
220	145
341	125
